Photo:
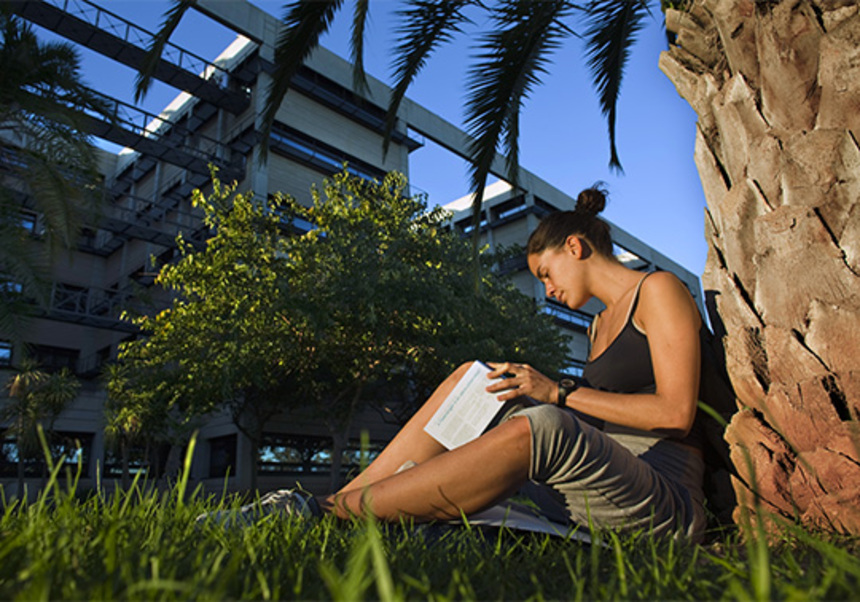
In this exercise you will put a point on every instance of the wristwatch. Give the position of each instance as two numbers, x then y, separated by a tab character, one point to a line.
566	386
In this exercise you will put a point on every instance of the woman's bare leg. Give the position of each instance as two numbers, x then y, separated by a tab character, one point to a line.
411	442
467	479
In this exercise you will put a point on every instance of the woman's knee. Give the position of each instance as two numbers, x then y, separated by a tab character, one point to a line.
444	389
513	440
557	438
461	370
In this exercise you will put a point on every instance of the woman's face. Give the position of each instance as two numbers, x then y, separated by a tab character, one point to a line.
560	271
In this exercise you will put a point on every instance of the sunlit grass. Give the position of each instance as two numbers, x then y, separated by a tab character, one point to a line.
144	544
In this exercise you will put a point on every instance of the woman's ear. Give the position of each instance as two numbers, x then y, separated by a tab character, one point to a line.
578	247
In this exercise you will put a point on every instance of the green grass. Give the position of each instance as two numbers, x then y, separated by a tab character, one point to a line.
142	544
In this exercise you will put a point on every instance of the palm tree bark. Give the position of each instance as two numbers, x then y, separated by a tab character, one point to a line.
776	86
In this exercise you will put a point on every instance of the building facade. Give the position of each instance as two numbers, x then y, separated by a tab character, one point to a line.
321	124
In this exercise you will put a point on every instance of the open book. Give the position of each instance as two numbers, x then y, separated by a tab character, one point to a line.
462	417
467	410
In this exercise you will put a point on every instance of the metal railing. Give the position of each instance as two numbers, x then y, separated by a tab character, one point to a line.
96	305
133	34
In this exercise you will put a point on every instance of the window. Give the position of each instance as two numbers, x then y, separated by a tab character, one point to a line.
511	208
466	223
8	458
573	367
304	455
72	448
286	454
9	287
318	155
222	456
146	460
570	318
53	359
29	221
5	354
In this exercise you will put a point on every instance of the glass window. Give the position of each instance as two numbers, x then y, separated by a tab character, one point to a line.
466	224
53	359
510	208
148	460
293	454
573	367
5	353
71	447
8	458
301	454
28	221
10	287
315	153
569	318
222	456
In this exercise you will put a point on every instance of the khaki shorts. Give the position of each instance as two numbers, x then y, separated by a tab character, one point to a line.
612	478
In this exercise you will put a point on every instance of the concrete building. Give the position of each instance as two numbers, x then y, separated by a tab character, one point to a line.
216	119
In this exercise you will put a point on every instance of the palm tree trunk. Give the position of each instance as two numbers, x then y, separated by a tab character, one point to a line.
776	86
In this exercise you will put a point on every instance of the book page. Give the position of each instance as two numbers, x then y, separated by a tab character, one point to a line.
466	411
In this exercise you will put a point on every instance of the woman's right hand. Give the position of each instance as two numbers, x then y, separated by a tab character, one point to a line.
521	380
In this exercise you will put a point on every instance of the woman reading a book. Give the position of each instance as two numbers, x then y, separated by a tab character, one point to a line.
614	449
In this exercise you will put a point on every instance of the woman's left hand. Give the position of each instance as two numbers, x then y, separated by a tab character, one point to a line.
522	380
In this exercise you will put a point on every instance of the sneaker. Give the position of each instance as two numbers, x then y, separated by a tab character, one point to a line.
283	502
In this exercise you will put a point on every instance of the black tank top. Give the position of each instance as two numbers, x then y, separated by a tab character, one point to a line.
625	365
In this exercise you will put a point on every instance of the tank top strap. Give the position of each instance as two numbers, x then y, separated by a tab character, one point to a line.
635	300
592	328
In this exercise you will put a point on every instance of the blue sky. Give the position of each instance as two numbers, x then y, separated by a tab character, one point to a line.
563	135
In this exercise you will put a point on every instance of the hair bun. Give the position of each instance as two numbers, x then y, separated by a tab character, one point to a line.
591	201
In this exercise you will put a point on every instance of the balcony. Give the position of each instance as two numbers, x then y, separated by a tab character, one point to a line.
109	34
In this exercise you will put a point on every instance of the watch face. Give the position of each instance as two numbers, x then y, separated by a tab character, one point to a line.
567	383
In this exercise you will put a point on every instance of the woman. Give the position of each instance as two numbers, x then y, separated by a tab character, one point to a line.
618	453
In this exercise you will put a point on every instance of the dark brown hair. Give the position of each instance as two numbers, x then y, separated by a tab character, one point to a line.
554	229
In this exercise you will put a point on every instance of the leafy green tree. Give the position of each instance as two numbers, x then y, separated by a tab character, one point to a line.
228	339
49	163
386	288
372	306
35	399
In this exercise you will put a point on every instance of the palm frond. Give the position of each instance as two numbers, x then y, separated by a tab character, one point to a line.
50	165
512	58
425	25
172	17
303	24
22	264
611	31
359	22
